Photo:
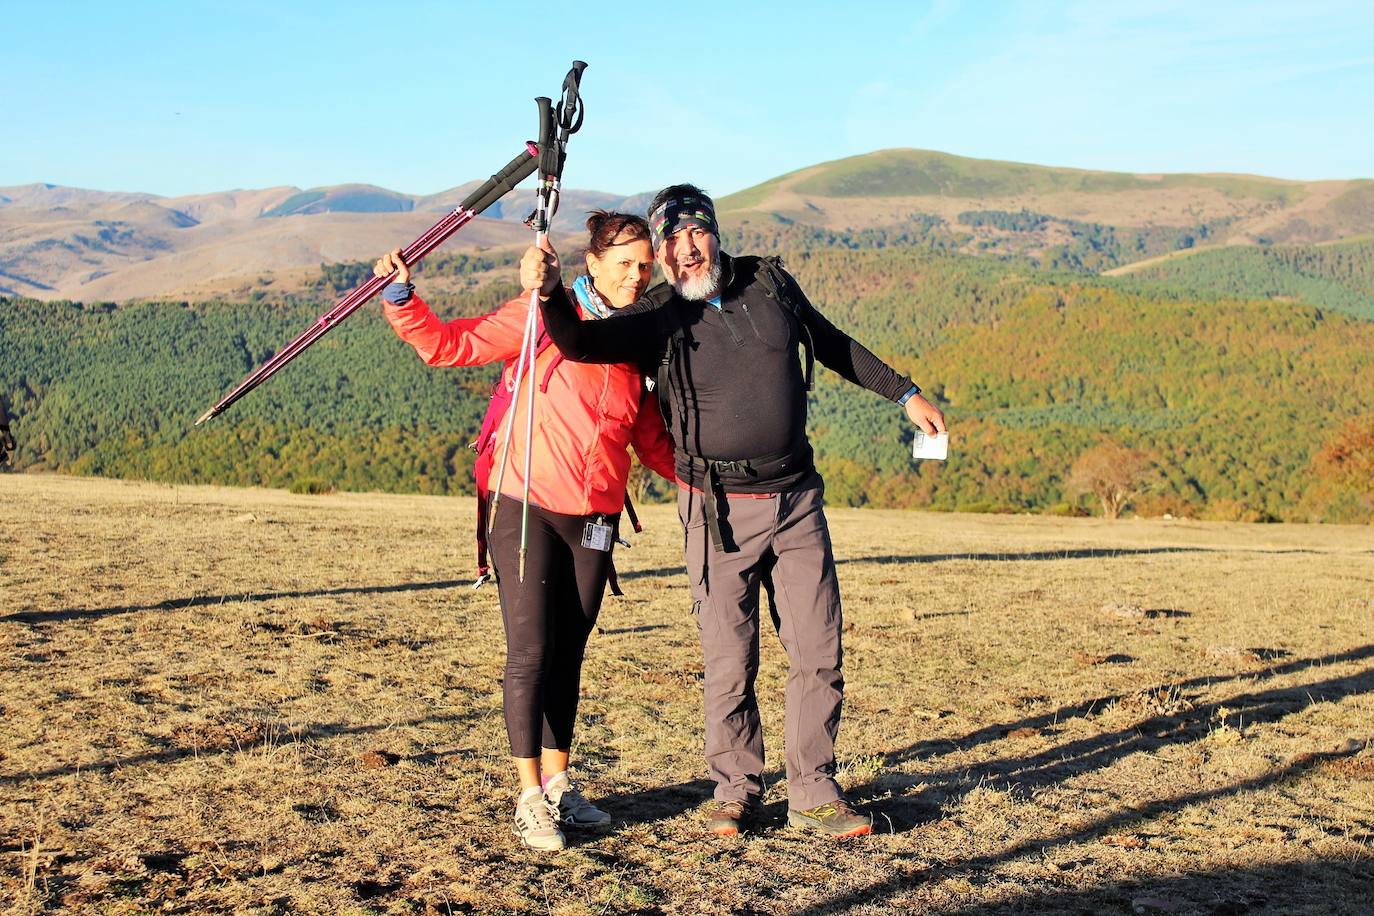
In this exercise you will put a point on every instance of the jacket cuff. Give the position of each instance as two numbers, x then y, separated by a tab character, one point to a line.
398	293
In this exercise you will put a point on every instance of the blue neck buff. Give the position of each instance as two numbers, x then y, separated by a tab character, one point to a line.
590	300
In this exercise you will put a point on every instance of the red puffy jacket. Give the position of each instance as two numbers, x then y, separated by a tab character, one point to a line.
583	424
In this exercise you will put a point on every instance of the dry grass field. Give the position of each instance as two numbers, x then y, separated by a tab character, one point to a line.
221	700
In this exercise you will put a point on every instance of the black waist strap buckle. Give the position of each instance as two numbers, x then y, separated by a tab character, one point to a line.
714	501
734	468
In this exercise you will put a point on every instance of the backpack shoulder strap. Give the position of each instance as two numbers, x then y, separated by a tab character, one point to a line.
779	284
659	295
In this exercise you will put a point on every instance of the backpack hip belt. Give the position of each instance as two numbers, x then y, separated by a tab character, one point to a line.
716	472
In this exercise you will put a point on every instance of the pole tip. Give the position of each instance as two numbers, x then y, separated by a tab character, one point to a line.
206	416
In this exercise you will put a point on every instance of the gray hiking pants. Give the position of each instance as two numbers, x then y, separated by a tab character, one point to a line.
782	539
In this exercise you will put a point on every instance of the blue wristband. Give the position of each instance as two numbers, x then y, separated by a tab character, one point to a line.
910	393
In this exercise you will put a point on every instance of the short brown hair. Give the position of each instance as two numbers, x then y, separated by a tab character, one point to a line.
605	226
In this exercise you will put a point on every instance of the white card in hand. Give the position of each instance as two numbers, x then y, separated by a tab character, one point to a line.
935	447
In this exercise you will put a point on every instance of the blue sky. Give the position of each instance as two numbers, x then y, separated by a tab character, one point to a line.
197	97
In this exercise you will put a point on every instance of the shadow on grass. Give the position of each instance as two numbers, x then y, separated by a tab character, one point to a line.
659	803
1317	886
179	604
622	631
1075	758
257	743
1069	554
899	813
1072	553
1080	553
1116	822
1041	721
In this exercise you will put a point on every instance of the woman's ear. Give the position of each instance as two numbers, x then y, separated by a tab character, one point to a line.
591	265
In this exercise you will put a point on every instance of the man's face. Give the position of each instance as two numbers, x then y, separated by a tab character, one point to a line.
688	256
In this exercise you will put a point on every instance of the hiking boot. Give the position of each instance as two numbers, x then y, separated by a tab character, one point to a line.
835	819
536	822
728	818
573	807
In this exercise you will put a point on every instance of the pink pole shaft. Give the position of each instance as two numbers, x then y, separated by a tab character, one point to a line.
499	184
413	253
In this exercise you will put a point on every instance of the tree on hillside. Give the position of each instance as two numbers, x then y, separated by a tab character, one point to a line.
1113	474
1347	458
645	487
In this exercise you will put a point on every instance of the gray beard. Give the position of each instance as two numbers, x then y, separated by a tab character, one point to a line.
700	288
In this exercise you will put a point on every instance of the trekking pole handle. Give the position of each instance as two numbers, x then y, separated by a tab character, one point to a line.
548	156
570	110
504	181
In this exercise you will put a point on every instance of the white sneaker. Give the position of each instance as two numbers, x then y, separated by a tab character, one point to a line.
572	805
536	822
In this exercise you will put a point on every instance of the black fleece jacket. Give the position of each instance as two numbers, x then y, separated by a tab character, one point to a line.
735	383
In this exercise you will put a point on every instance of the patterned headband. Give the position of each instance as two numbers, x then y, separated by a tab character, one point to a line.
677	214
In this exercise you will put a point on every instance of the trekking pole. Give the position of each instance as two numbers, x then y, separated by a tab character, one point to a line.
496	187
567	117
527	355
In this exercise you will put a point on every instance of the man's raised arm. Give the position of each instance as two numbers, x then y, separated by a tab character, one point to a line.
841	353
635	336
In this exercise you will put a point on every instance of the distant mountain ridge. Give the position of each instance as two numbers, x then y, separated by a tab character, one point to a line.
1014	209
73	243
285	200
59	242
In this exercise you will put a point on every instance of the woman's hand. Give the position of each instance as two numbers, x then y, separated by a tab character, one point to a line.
539	269
392	262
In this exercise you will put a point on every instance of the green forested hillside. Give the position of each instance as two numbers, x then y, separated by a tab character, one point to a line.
114	391
1338	275
1034	238
1231	396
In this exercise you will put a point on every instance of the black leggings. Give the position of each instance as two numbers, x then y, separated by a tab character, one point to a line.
548	618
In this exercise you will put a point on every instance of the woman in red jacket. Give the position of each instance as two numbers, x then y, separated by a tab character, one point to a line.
585	419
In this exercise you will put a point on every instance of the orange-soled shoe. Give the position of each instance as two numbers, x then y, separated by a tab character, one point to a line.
837	820
729	818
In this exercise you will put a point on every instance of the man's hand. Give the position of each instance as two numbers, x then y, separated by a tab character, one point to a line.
389	262
539	269
7	444
925	415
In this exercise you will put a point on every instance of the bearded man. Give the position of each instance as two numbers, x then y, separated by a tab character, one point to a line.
721	338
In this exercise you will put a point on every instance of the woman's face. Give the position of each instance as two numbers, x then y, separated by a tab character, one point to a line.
622	274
